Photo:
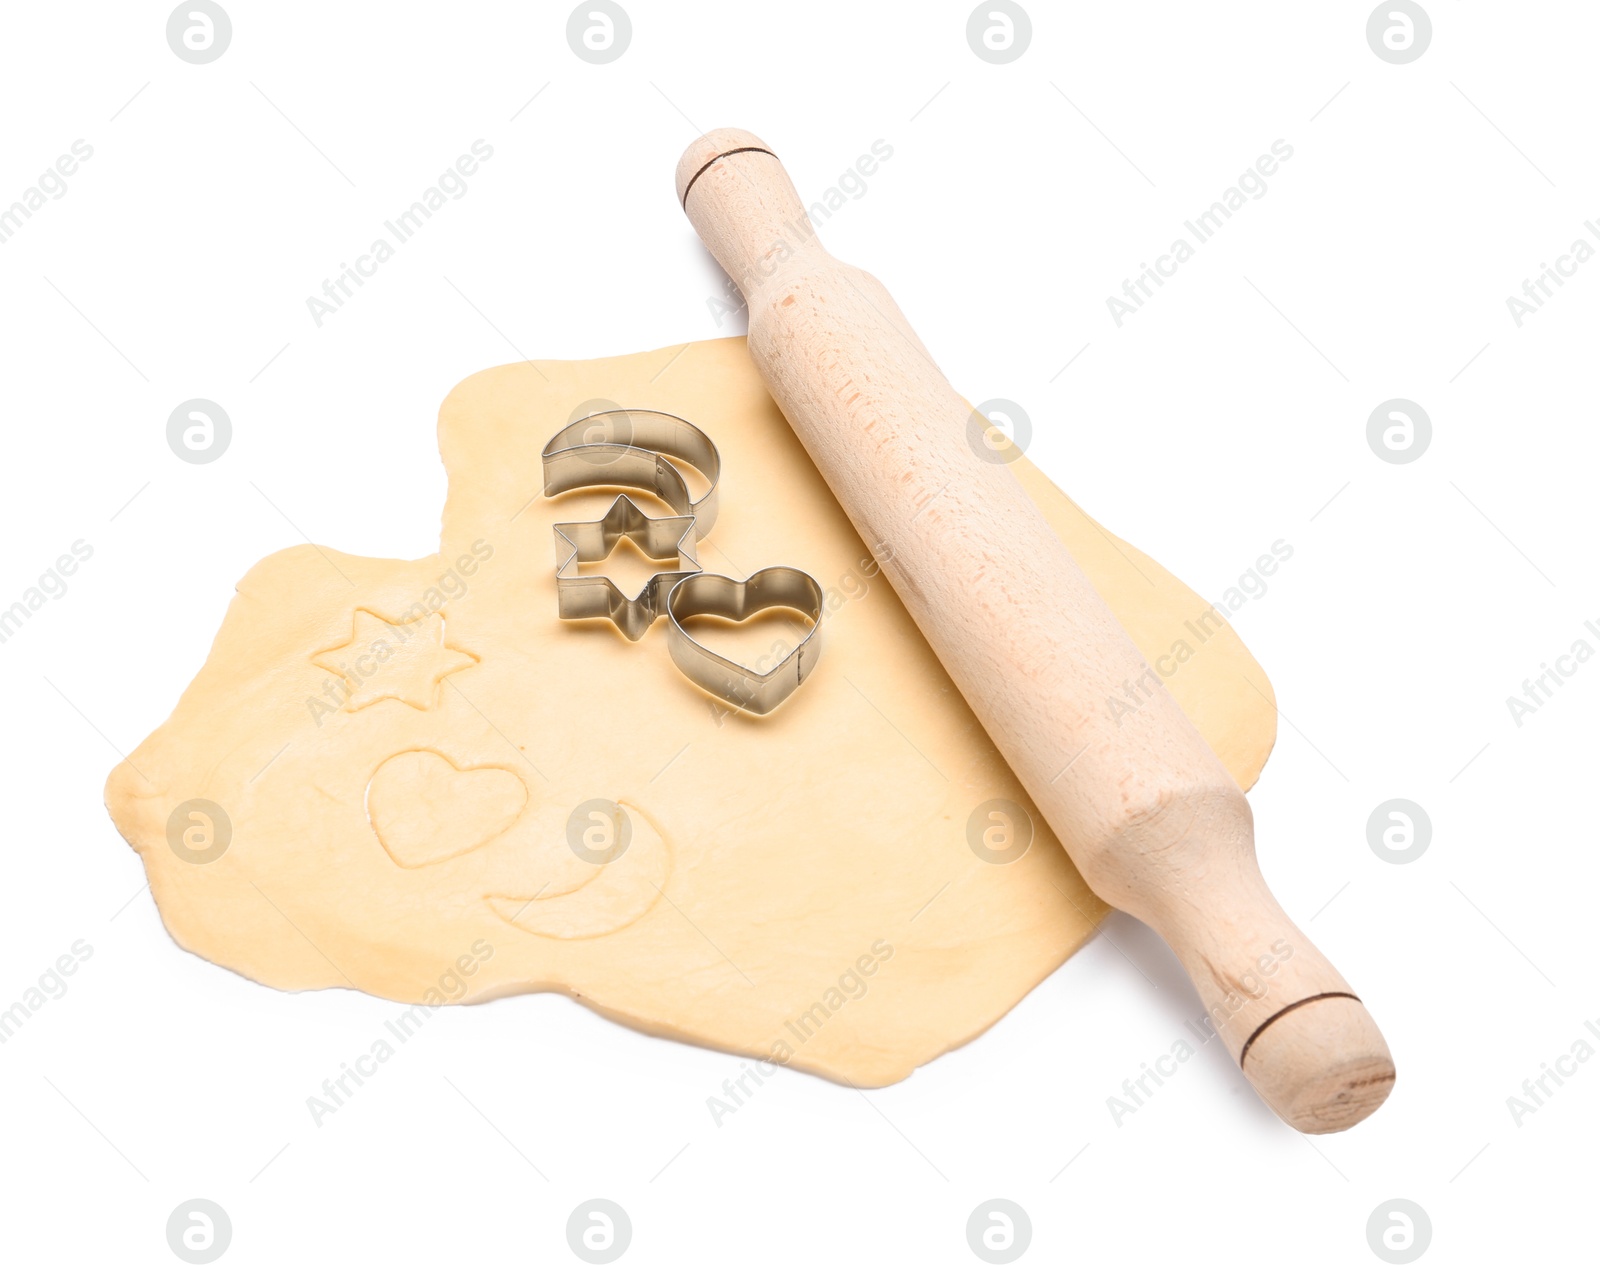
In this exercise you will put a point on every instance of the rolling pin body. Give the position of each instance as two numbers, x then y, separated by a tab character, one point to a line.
1152	819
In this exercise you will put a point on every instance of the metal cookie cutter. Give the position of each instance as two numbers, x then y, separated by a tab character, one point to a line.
629	447
596	596
735	684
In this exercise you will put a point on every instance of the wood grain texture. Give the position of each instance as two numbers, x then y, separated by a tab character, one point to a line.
1149	815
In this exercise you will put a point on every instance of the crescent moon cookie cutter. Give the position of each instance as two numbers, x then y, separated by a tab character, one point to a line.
736	600
630	447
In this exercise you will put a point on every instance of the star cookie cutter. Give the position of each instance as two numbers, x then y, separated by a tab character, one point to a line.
597	596
737	685
630	447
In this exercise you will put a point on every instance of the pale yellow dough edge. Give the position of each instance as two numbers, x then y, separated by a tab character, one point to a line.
798	887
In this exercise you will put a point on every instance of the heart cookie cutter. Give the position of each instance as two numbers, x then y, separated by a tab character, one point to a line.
597	596
736	600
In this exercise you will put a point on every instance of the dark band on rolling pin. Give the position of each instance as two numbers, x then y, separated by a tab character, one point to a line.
1273	1018
743	149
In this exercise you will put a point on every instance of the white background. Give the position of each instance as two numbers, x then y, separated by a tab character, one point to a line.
1229	413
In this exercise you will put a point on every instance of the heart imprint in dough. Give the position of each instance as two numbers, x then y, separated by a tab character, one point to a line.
424	808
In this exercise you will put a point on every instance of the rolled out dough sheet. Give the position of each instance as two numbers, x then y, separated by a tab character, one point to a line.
393	752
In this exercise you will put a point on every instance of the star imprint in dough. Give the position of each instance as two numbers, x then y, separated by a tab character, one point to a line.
386	659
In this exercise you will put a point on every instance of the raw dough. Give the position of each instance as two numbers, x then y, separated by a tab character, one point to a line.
418	761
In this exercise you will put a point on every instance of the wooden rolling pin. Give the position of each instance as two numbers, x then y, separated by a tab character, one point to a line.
1147	812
